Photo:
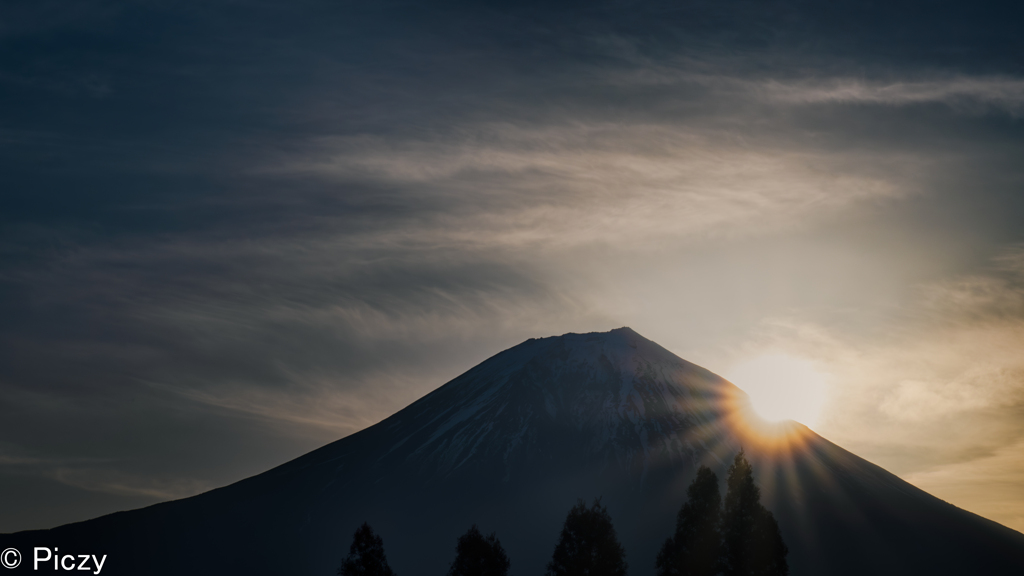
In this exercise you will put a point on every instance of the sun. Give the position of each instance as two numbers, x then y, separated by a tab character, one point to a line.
781	387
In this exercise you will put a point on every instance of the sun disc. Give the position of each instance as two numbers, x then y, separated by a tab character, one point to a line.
781	387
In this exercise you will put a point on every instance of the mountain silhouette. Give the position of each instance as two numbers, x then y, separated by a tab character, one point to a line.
511	445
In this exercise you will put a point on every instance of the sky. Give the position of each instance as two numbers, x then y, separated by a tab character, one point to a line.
232	232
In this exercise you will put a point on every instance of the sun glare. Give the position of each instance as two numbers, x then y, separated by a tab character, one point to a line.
781	387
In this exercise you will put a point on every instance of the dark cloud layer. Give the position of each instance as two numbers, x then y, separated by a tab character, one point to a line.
234	231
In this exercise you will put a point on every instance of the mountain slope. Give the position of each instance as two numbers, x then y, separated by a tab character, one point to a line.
510	445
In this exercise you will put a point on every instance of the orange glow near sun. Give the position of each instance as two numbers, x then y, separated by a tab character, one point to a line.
754	431
746	417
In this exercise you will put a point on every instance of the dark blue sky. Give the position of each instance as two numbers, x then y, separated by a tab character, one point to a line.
232	232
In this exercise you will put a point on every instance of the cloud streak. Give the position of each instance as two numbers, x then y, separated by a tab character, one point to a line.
510	185
969	94
974	94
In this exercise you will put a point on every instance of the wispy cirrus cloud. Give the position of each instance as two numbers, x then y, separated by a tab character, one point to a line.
966	93
973	94
516	184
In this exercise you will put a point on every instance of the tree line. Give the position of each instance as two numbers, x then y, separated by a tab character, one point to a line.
738	538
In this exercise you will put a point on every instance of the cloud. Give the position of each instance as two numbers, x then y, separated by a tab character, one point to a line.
989	485
520	185
112	481
97	475
975	388
973	94
966	93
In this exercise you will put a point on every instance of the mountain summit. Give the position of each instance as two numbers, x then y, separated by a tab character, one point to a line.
511	444
612	400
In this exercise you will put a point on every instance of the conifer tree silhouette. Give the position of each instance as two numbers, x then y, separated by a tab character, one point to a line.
479	556
366	555
752	542
588	545
695	547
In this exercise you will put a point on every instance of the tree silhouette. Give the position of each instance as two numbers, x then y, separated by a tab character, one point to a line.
588	545
366	555
479	556
695	547
752	542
